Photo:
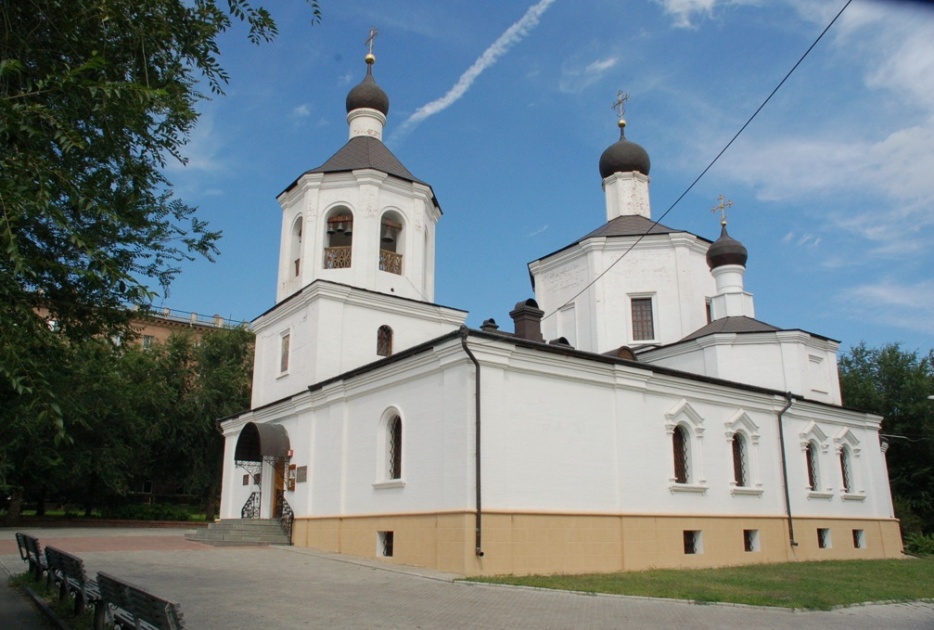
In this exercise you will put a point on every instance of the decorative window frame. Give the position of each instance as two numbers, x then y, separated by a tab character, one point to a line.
846	440
683	414
740	423
384	340
632	324
296	250
284	354
813	434
384	479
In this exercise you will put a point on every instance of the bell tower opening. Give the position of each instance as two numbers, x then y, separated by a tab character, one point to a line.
391	243
338	250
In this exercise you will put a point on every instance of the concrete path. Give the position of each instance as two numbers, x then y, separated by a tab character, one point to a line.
258	587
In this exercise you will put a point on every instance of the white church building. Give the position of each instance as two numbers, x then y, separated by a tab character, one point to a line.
649	421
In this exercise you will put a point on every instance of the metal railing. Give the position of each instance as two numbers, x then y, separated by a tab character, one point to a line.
337	257
251	509
390	261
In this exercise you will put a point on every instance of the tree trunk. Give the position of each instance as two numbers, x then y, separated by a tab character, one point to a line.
16	506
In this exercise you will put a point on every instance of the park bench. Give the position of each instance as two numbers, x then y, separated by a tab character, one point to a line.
31	552
68	572
133	607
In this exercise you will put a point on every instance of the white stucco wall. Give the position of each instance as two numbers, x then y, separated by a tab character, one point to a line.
671	269
565	434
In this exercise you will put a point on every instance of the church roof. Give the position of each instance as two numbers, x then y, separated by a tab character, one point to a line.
629	225
738	324
363	152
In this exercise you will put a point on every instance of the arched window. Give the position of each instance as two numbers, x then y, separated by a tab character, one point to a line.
810	454
394	442
846	470
296	247
339	232
390	243
740	460
384	341
680	446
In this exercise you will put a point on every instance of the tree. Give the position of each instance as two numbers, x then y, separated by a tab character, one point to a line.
133	414
182	388
95	97
895	384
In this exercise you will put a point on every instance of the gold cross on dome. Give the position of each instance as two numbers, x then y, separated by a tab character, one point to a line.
370	38
620	103
721	208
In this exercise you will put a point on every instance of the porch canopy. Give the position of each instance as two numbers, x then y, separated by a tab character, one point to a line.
259	442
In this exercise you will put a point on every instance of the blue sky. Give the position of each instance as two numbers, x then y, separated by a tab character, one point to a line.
505	107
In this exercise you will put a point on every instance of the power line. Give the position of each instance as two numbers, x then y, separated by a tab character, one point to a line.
712	162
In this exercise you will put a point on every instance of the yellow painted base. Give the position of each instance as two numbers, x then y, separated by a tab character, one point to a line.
572	543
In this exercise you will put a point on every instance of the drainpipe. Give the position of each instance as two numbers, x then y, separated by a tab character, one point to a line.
781	439
479	512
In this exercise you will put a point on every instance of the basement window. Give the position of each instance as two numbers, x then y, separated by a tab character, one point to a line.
693	541
751	540
859	539
384	544
823	538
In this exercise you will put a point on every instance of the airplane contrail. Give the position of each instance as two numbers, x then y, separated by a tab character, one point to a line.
512	35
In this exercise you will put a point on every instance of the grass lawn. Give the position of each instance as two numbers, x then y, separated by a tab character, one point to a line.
810	585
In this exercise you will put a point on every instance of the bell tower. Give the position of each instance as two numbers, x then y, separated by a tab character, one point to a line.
356	277
361	218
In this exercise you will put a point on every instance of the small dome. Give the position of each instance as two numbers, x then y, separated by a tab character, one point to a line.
367	94
726	251
624	157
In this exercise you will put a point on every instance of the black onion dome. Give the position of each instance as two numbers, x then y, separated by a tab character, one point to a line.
624	157
368	95
726	251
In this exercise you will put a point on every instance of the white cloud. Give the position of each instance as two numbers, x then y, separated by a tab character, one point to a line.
684	11
901	305
540	230
511	36
202	150
574	78
871	175
302	111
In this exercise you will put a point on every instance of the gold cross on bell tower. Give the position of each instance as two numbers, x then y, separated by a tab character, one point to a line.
620	103
370	39
721	208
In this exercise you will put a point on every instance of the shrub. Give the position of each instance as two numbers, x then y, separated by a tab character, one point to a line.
919	544
157	512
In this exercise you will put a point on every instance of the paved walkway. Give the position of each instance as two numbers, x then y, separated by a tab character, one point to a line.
256	587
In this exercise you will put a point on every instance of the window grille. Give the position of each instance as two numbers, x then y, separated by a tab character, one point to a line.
284	353
740	473
692	541
395	448
679	441
751	539
385	544
845	469
384	341
810	453
643	326
859	539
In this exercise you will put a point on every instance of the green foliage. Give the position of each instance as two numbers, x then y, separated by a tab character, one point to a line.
63	609
133	414
919	544
810	585
895	384
95	97
157	512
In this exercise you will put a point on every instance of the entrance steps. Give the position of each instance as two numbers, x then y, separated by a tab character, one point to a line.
244	532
